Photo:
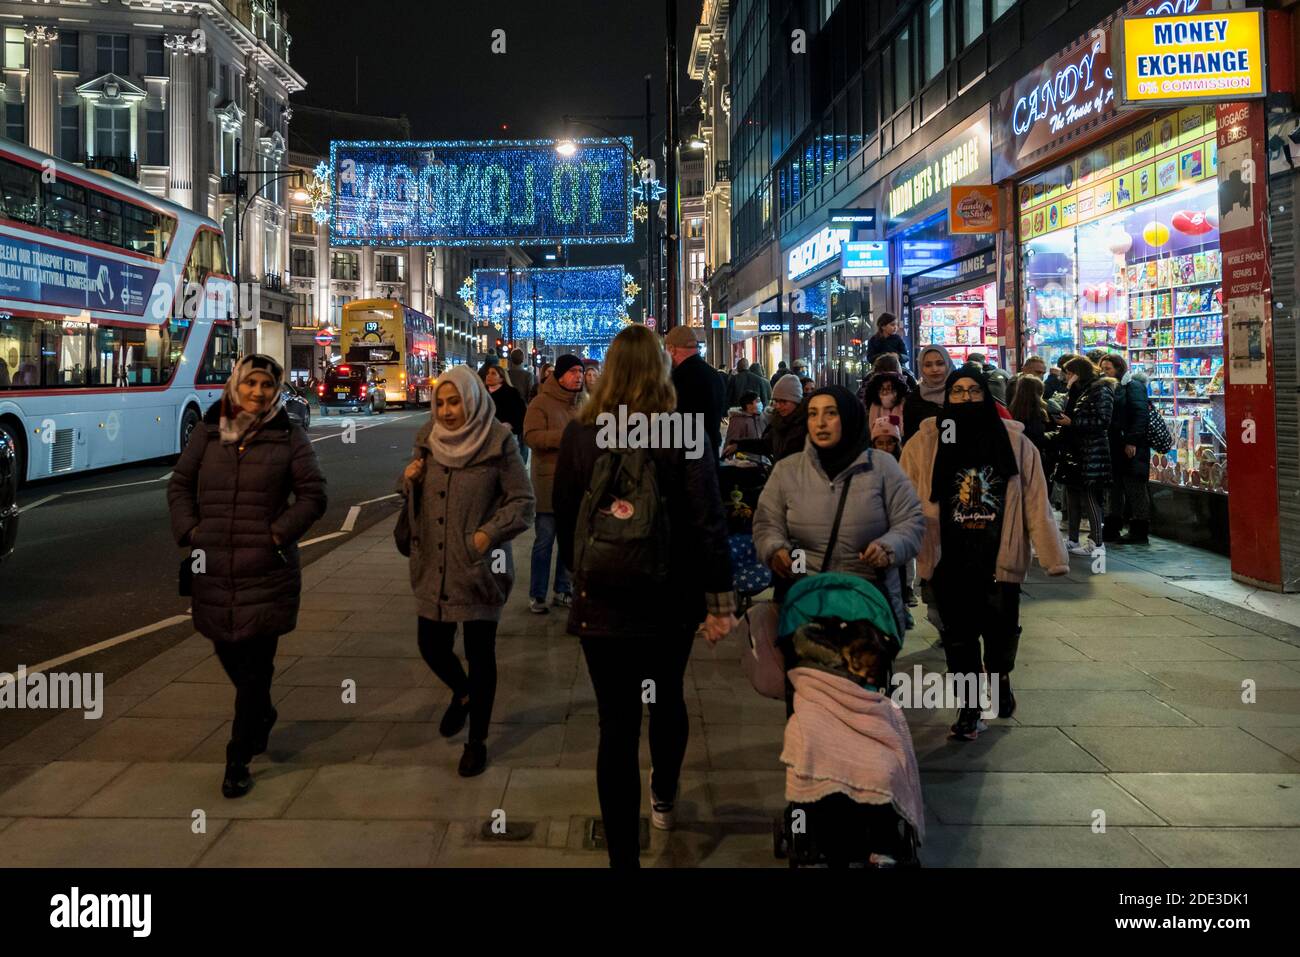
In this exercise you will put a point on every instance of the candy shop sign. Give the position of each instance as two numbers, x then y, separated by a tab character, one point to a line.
1076	91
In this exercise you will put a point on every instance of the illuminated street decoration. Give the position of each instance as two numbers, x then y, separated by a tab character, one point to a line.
641	213
480	193
466	293
318	192
630	289
576	305
649	190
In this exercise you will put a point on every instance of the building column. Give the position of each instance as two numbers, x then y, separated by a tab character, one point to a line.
40	88
181	113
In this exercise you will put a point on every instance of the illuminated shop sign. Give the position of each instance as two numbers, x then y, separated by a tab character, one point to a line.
1067	97
865	218
865	260
961	157
1175	60
815	251
480	193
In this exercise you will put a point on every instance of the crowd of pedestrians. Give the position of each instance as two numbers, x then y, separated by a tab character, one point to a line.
939	483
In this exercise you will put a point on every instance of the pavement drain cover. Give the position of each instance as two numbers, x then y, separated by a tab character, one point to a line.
593	835
514	831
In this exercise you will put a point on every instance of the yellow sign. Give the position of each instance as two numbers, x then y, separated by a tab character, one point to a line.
973	209
1183	59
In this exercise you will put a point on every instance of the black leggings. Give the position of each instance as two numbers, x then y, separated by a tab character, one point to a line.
971	606
618	668
437	639
1077	499
250	664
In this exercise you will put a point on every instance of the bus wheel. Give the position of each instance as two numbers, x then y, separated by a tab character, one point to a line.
20	459
189	422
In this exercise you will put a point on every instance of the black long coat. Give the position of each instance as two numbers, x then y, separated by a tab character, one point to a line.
229	501
511	409
699	551
1084	444
701	390
1128	426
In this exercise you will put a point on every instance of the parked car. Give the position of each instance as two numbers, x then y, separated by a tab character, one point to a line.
8	495
296	404
350	387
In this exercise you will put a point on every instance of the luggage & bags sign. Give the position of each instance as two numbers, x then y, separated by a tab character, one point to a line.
1167	61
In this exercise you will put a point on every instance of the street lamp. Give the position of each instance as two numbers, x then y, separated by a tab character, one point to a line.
697	144
566	147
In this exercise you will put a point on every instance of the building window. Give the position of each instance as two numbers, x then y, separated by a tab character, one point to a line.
15	48
155	147
16	122
225	83
902	69
303	263
934	47
155	62
695	229
1002	6
69	51
390	267
113	53
337	303
302	314
228	152
345	266
112	131
70	132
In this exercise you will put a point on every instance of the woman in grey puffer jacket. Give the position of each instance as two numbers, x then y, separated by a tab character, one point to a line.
882	522
229	498
472	498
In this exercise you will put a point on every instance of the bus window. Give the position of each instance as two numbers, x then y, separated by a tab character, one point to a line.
20	350
140	229
105	219
65	208
219	359
71	358
22	191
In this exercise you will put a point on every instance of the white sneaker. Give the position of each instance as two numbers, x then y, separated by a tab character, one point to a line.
562	599
663	814
1087	549
1072	546
537	606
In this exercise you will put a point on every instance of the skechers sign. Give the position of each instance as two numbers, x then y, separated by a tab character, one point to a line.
815	251
53	276
480	193
1167	61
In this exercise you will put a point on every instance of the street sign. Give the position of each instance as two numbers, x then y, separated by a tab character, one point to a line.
324	338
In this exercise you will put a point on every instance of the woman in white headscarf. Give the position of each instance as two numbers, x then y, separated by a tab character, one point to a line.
471	497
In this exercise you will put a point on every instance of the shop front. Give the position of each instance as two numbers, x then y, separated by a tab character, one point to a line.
948	293
831	311
1116	223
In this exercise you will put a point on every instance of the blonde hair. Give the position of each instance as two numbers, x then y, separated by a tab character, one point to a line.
635	376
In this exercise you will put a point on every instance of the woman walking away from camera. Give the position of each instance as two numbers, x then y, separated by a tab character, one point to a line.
1030	410
553	409
508	405
887	339
229	498
645	535
543	374
470	496
839	505
1130	455
1083	465
927	401
985	498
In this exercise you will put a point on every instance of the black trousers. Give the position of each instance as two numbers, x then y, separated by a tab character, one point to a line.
250	665
437	639
972	606
618	669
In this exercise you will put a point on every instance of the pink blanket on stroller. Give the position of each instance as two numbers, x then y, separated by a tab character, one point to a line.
844	739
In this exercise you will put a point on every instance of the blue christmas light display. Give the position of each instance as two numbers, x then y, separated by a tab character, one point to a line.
649	189
576	305
480	193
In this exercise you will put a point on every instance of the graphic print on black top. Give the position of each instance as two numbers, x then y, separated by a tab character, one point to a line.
971	520
977	503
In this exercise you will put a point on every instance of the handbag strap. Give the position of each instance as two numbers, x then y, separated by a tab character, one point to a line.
835	527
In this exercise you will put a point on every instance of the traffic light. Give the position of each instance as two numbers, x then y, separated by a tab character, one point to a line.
500	343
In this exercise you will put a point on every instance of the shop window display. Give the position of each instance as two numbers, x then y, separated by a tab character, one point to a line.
1122	254
962	322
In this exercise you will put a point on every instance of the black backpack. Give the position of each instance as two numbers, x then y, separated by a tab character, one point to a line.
621	536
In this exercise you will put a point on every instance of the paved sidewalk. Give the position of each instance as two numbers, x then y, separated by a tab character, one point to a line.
1130	704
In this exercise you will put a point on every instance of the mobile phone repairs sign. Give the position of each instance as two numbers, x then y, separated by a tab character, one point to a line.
1166	61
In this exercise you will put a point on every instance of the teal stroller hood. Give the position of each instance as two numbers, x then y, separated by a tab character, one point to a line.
837	595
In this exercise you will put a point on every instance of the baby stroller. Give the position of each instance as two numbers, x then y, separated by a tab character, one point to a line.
742	482
851	773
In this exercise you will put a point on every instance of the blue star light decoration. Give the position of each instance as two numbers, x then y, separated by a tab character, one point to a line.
318	192
466	293
649	190
630	289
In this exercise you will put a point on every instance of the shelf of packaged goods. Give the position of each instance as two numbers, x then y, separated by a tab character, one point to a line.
1198	398
1176	315
1181	285
1198	345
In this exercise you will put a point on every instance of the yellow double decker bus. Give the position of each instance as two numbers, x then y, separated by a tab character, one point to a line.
394	340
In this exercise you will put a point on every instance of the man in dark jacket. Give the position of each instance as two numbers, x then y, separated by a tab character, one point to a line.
781	369
699	388
746	380
518	376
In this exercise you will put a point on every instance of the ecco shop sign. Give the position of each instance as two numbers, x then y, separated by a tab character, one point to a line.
1188	59
816	251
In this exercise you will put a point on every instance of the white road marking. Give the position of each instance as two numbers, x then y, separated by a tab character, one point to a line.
87	491
39	502
382	498
350	522
322	538
361	428
100	646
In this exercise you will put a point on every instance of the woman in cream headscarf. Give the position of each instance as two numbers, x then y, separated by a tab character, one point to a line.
472	497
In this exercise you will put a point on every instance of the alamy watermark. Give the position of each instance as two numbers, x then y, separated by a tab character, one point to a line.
945	690
656	430
73	691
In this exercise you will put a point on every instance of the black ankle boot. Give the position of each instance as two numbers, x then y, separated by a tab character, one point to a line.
1006	700
1137	533
454	719
474	760
238	781
1111	529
